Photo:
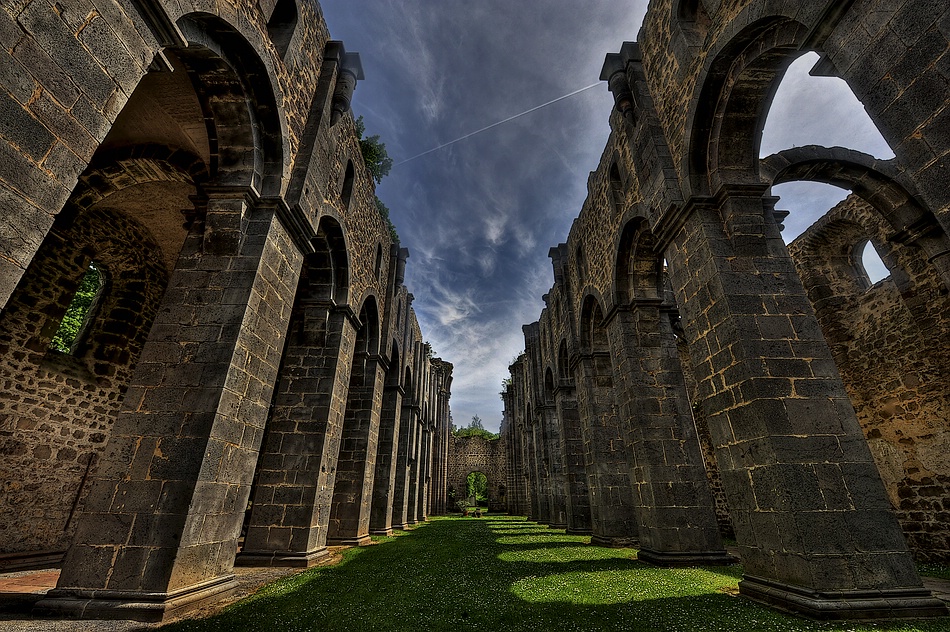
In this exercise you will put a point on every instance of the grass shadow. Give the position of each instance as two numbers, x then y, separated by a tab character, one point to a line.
452	574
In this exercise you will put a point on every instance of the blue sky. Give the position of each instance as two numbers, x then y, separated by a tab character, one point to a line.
480	215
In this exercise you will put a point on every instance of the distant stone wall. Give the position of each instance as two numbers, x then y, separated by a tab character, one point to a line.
888	340
58	417
475	454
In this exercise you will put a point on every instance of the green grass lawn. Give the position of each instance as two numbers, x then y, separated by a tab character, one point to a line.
502	573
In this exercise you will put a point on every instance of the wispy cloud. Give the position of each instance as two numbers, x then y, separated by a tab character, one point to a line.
480	215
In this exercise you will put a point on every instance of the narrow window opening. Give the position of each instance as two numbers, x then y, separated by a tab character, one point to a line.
616	188
379	261
693	17
282	24
873	265
347	192
80	312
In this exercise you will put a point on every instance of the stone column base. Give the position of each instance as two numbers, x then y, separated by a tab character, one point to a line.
613	542
361	540
555	525
134	605
895	603
570	531
388	531
686	558
291	559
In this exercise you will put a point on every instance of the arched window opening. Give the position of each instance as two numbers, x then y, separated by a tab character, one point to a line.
616	188
692	17
871	263
282	24
581	266
563	370
81	311
548	387
347	191
810	110
476	484
806	201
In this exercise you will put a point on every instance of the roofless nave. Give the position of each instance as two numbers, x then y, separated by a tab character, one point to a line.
253	342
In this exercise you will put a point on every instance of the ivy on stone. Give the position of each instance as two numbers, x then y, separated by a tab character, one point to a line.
378	163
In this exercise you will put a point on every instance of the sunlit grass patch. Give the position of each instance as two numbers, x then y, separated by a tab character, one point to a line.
563	554
620	586
507	574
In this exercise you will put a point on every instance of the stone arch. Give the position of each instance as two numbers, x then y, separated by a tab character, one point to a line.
593	338
639	269
834	251
246	141
875	181
369	330
735	92
331	259
128	178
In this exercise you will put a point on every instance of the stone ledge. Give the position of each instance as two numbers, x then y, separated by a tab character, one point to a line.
290	559
363	540
895	603
151	607
686	558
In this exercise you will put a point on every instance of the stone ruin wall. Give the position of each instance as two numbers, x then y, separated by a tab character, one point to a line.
889	341
130	212
57	409
476	454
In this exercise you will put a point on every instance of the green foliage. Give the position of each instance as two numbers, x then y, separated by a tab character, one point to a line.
374	152
384	213
477	486
378	163
474	429
505	573
65	336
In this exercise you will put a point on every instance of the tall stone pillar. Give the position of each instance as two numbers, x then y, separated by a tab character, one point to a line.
557	480
415	462
425	471
577	496
542	468
815	529
613	520
160	527
384	486
675	506
290	508
353	486
404	462
531	470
